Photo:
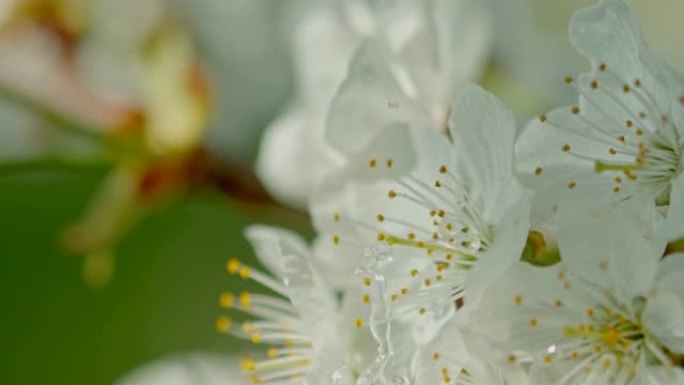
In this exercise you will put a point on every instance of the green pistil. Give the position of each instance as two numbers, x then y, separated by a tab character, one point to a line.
603	166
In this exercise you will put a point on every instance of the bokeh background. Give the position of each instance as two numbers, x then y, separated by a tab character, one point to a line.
116	221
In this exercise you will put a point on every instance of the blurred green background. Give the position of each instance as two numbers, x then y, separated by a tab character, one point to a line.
163	297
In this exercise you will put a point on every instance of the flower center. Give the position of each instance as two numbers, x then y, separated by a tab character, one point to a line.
606	332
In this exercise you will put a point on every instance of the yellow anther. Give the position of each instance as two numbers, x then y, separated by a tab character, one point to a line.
358	323
372	163
272	352
389	163
404	291
543	118
548	359
593	84
435	356
380	217
533	322
392	194
394	297
223	324
538	171
336	239
558	303
336	217
366	298
367	281
256	338
244	272
248	364
606	363
512	359
443	169
245	300
226	300
233	266
414	272
517	299
568	80
575	110
422	310
381	237
565	147
572	185
602	67
590	313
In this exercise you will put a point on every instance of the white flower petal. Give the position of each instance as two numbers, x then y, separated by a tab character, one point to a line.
673	226
310	296
609	33
271	243
483	132
187	369
293	156
368	100
608	247
510	238
664	314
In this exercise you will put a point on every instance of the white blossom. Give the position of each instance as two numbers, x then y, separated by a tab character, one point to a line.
447	228
622	141
359	65
599	317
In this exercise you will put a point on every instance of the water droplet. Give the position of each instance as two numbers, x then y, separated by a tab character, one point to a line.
400	380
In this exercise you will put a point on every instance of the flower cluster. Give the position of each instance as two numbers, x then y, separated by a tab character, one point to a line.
453	249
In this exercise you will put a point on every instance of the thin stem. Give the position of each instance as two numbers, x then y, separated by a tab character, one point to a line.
13	167
69	125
